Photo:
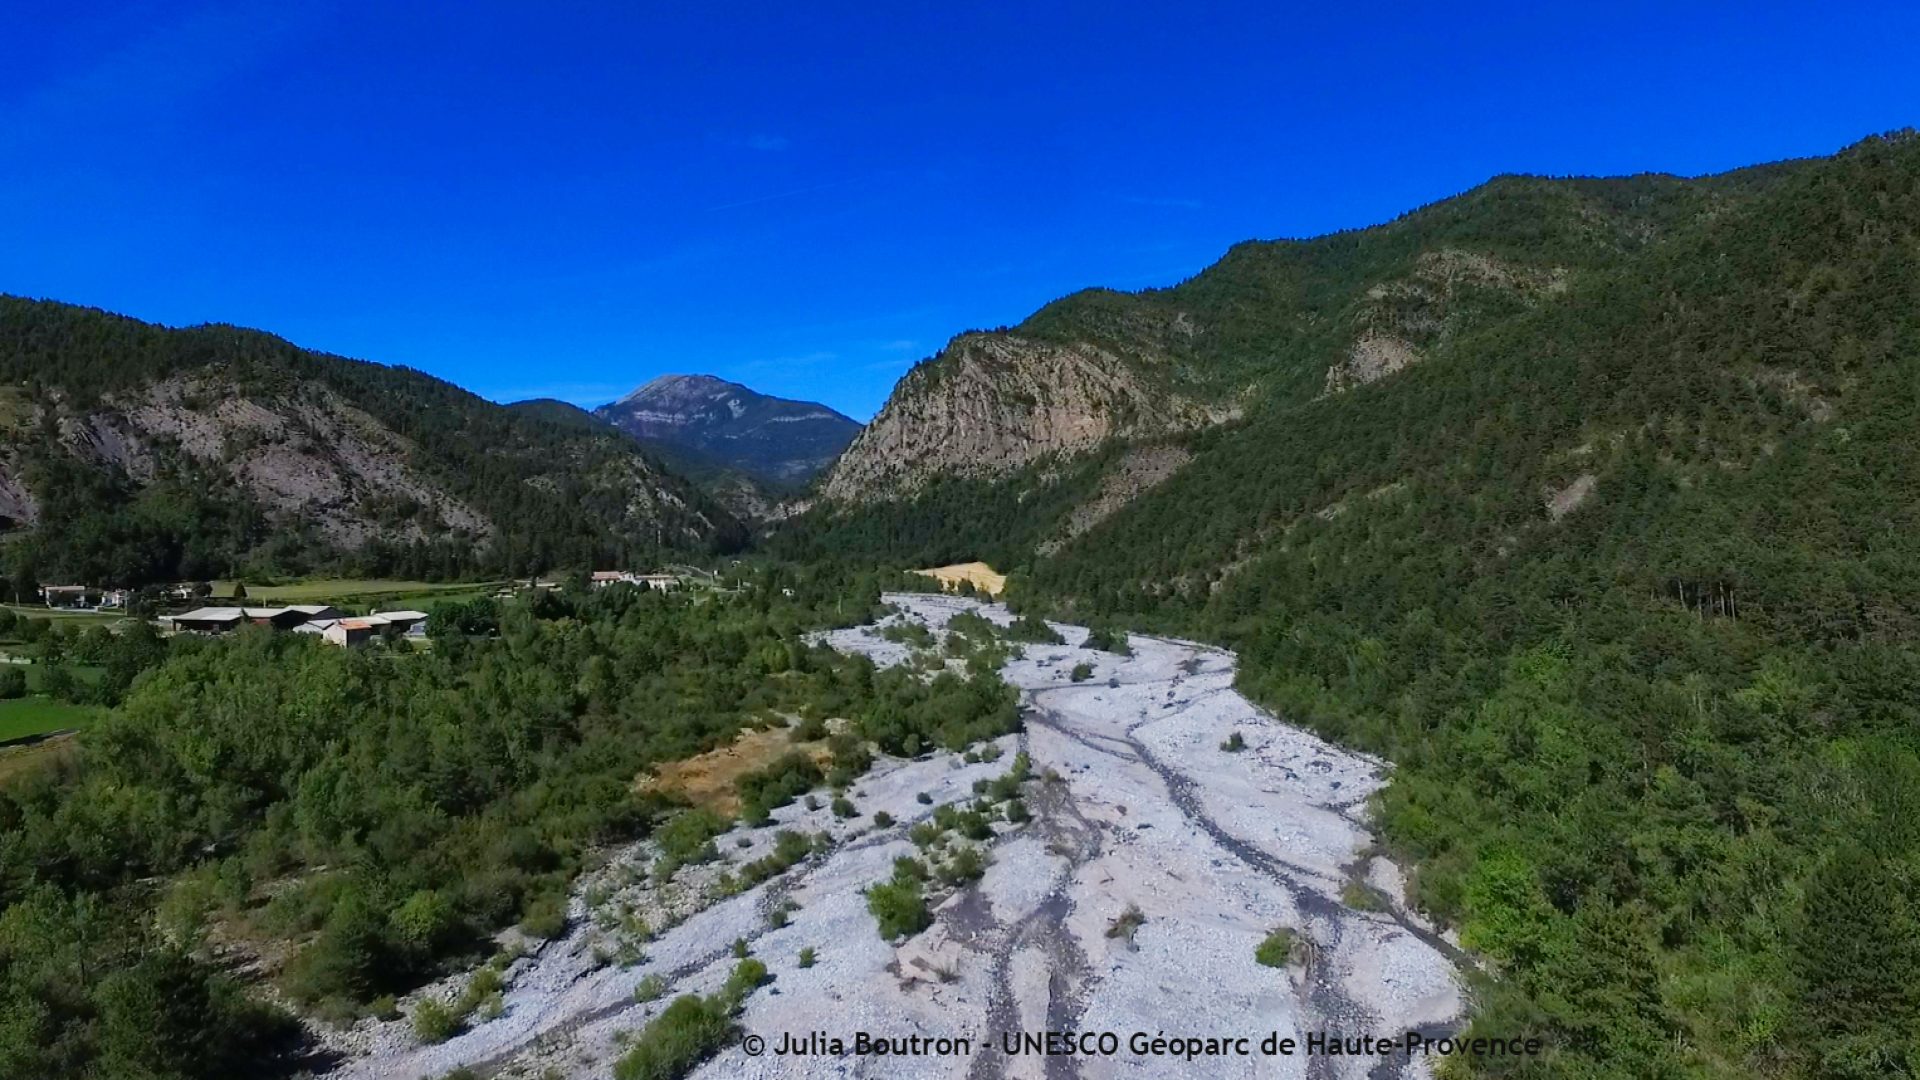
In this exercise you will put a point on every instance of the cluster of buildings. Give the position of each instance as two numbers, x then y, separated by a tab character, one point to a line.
84	597
657	582
330	623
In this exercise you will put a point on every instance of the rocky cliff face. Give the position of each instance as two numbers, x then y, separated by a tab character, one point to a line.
308	456
991	403
726	424
130	451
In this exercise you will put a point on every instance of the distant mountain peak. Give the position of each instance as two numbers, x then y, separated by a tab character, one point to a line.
772	438
663	386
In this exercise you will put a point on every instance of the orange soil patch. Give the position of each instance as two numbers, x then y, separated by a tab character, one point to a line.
706	780
985	578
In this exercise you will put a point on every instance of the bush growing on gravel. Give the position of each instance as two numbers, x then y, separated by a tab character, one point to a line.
691	1030
1359	897
974	825
1109	640
687	837
899	906
912	634
1036	630
1082	672
789	847
747	975
967	864
843	808
1017	813
739	948
807	957
649	989
767	789
1007	784
1234	743
882	819
1128	921
545	916
434	1021
1276	949
971	624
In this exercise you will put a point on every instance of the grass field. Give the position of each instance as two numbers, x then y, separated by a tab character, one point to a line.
26	716
40	611
357	590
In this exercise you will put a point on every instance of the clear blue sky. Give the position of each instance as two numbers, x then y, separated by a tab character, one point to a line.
567	199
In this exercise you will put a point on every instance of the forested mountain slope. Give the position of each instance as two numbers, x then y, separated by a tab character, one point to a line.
131	452
1593	504
746	496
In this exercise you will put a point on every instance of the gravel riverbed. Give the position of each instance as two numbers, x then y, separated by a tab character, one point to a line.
1135	806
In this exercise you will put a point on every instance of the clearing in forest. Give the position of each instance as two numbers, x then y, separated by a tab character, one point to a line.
984	578
707	780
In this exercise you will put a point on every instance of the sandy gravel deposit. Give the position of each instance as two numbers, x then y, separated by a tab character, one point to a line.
1132	903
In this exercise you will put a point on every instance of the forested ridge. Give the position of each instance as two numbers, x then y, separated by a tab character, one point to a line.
1623	574
547	493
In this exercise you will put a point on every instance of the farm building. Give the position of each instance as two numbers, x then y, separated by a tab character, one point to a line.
219	620
348	631
358	629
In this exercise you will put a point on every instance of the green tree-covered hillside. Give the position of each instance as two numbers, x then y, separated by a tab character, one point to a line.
1621	567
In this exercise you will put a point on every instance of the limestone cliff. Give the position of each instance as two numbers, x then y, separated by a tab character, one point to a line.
991	403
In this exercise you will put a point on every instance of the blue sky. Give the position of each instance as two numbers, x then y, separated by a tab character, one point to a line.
567	199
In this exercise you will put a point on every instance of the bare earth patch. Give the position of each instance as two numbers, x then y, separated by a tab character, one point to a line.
1568	499
984	578
708	779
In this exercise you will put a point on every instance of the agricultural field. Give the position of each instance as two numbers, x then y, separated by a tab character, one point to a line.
39	611
383	591
25	717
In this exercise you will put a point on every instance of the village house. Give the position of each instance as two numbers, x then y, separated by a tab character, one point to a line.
71	596
84	597
657	582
